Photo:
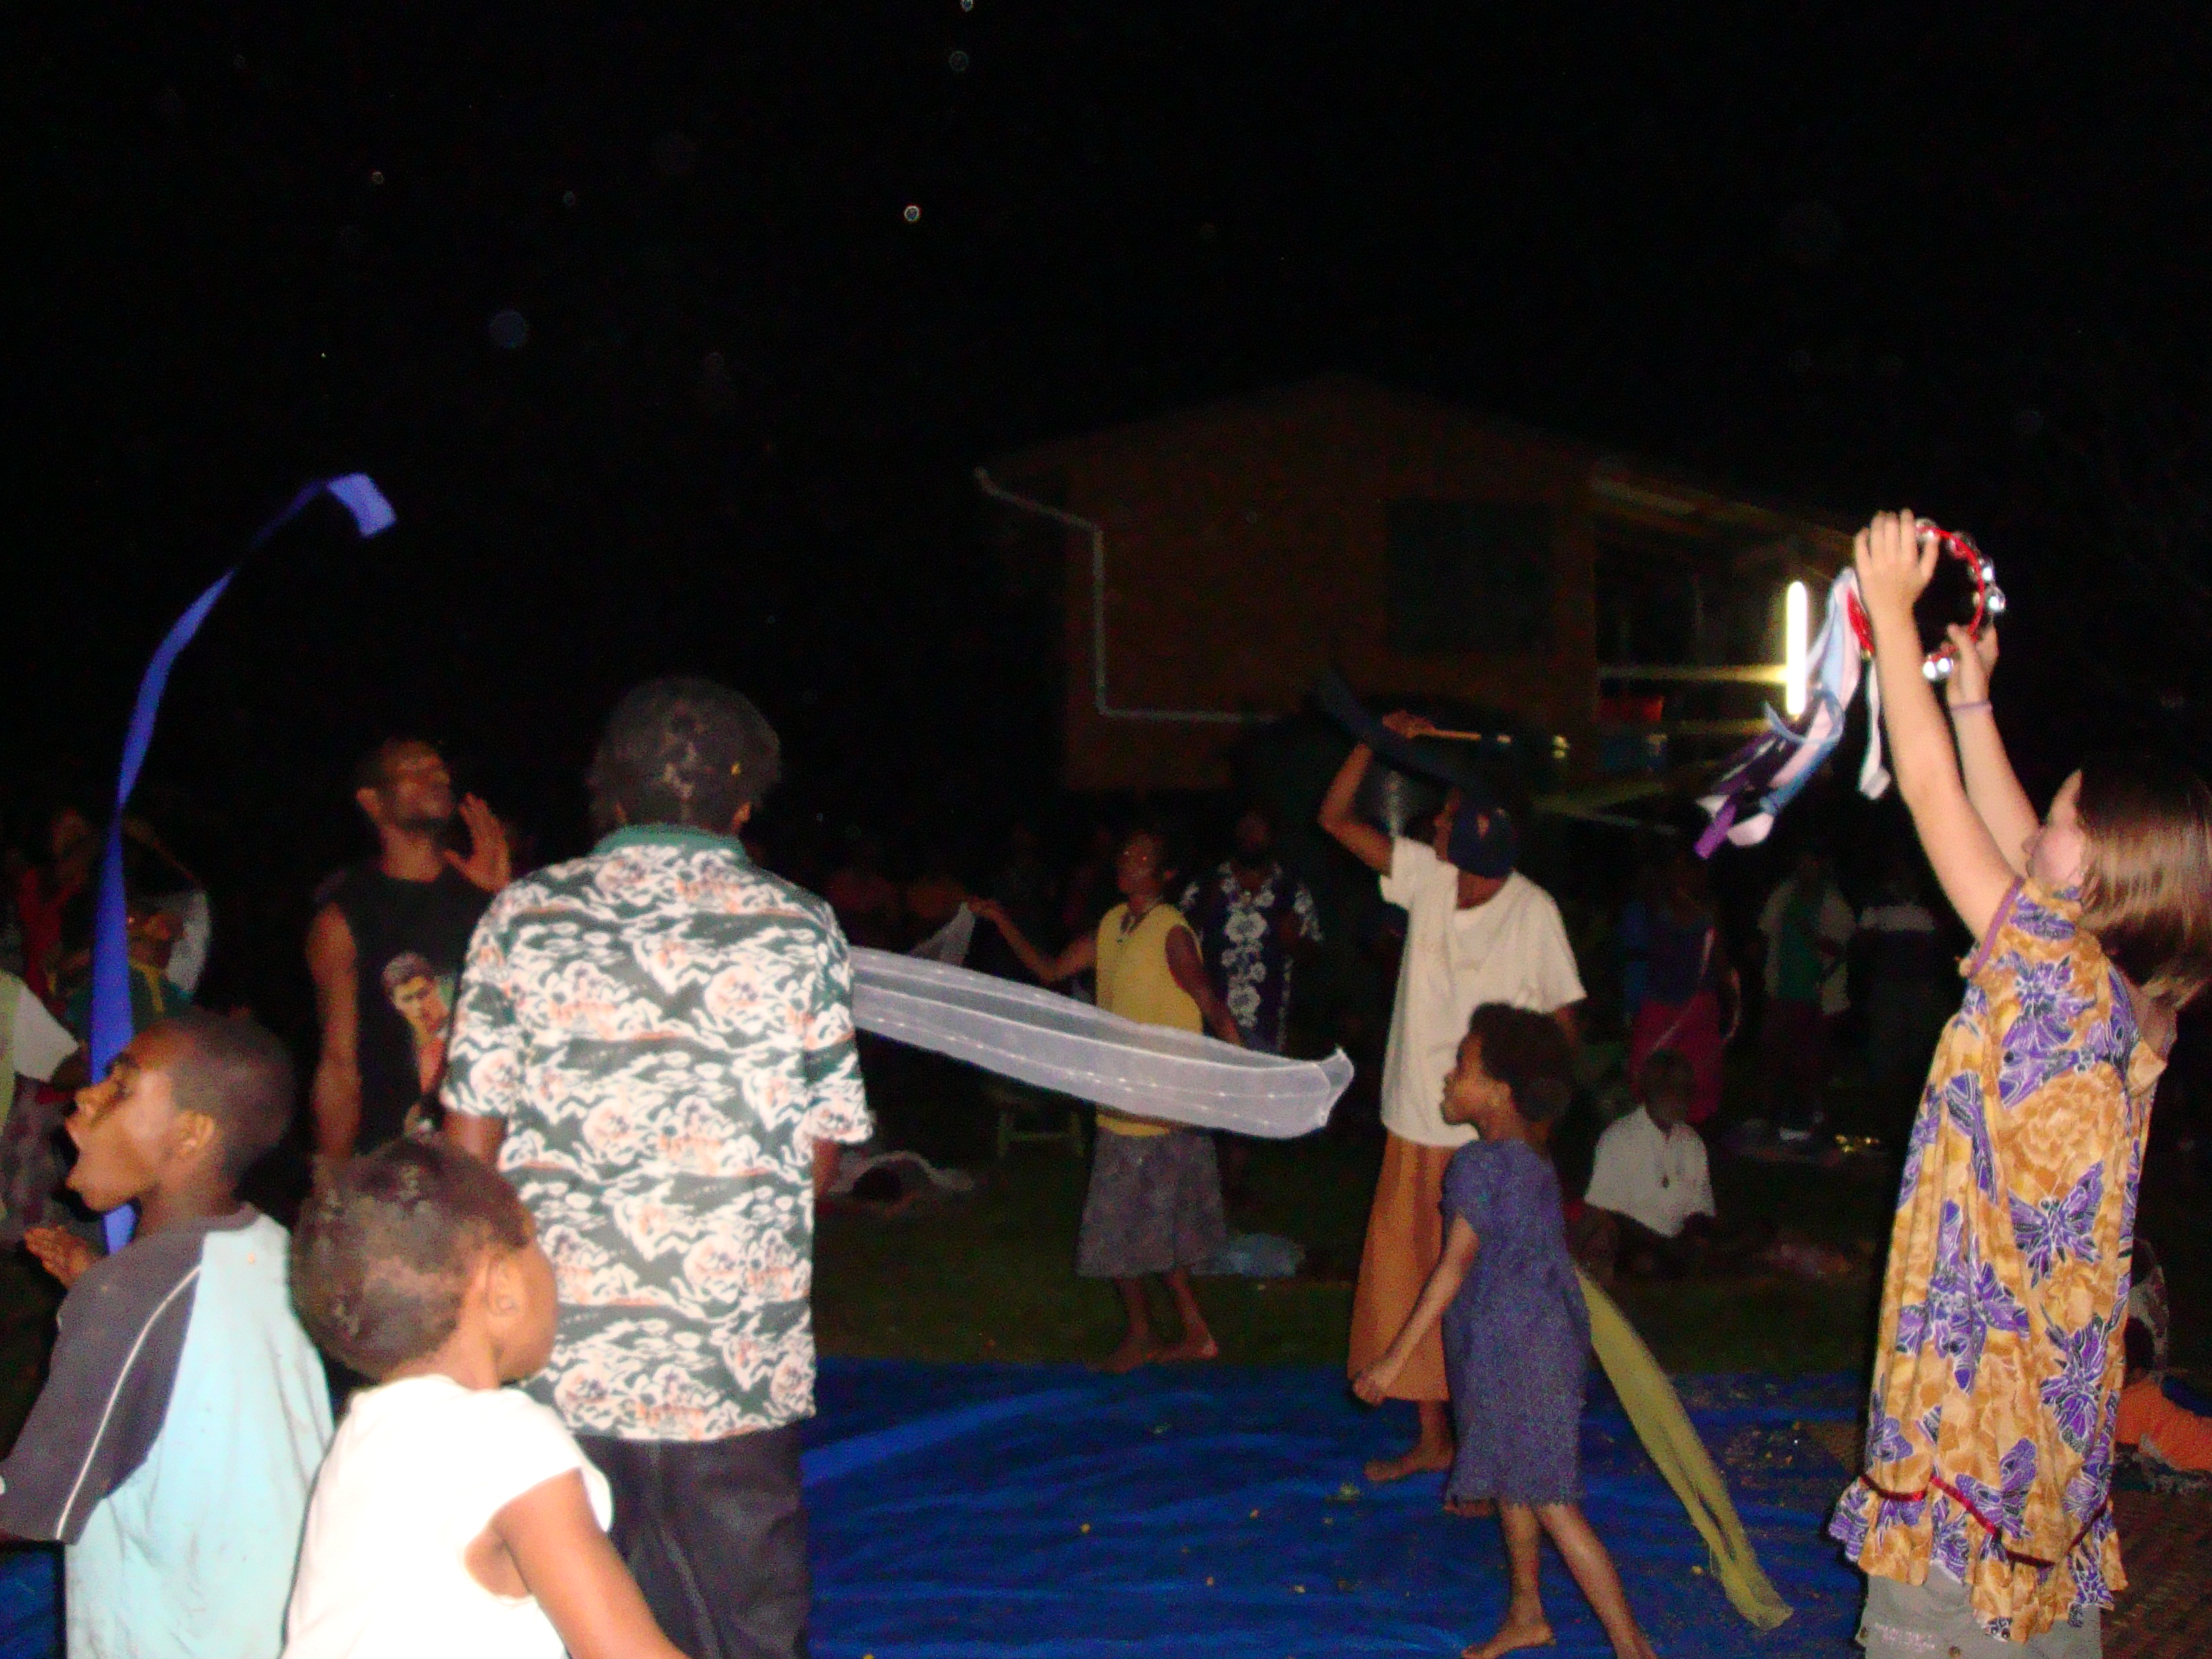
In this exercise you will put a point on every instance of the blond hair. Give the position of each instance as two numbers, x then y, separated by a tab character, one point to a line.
2146	872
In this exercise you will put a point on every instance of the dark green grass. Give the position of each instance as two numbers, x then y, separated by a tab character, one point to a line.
993	1277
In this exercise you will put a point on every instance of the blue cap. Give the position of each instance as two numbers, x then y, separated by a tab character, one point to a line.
1482	841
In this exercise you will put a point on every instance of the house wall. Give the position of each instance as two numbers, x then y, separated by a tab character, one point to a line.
1246	551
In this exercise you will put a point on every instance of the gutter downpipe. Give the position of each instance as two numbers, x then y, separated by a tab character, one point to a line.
1097	533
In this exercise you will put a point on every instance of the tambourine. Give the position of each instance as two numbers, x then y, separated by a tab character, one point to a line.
1989	600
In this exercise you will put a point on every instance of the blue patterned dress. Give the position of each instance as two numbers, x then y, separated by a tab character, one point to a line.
1516	1337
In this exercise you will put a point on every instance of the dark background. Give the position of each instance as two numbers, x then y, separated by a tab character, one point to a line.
1857	256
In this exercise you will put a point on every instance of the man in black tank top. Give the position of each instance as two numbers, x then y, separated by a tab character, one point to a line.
386	948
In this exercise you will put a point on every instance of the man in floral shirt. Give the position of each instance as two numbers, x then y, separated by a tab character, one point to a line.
655	1044
1253	918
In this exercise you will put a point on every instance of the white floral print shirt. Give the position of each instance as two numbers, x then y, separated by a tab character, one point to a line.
667	1031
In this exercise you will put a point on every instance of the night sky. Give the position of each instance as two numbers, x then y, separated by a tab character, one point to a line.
1854	255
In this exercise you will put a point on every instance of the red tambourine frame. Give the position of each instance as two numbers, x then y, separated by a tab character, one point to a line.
1988	598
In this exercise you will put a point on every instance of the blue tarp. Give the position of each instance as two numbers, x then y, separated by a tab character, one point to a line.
1040	1512
1043	1513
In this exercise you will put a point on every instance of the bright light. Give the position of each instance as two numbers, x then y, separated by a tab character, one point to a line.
1796	620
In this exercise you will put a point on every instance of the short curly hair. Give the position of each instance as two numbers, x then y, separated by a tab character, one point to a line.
383	1253
237	1071
1531	1055
684	750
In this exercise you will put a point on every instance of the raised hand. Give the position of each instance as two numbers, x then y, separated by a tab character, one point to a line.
61	1253
1976	659
1407	725
490	864
1894	562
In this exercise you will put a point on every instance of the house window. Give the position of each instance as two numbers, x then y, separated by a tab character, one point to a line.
1470	576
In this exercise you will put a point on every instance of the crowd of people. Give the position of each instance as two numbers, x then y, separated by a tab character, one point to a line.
570	1128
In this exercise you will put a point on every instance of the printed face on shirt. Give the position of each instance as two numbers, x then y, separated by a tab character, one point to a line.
421	1004
127	1126
2058	849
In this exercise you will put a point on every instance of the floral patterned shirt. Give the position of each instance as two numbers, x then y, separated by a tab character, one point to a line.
1998	1364
1238	934
667	1031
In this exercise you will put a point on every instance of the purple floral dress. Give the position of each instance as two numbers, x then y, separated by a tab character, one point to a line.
1998	1363
1516	1337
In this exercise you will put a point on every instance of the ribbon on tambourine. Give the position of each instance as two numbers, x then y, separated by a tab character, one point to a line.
1765	775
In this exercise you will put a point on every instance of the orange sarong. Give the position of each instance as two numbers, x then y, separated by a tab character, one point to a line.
1405	1240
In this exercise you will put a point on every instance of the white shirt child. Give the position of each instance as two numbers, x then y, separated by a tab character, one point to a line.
415	1474
1654	1175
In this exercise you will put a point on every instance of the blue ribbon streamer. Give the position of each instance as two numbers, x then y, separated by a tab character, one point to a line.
111	941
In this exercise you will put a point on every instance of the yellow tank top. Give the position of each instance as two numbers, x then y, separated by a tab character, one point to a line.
1133	982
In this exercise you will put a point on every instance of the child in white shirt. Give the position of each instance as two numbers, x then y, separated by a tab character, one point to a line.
453	1515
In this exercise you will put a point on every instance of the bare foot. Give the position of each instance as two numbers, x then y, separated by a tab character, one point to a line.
1512	1636
1470	1509
1127	1357
1424	1459
1189	1348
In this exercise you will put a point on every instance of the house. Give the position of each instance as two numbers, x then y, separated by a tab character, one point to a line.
1207	565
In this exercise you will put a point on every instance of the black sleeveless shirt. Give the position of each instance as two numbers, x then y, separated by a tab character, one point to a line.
409	941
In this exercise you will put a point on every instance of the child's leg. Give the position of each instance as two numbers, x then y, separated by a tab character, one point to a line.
1586	1558
1525	1625
1139	1347
1197	1342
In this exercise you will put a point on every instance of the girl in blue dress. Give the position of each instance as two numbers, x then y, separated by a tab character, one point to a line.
1516	1334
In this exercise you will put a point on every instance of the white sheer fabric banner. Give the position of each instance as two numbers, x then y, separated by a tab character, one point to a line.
1053	1042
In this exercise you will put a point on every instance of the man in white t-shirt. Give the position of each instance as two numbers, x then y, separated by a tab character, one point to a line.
1476	932
1650	1190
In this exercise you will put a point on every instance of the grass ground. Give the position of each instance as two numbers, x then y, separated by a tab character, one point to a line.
993	1277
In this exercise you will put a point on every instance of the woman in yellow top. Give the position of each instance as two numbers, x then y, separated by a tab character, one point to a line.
1154	1204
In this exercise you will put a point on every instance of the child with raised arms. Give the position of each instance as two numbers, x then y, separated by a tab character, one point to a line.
1983	1519
1516	1331
454	1516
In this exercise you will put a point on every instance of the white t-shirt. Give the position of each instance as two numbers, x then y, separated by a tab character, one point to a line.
37	1043
1656	1176
1512	949
416	1472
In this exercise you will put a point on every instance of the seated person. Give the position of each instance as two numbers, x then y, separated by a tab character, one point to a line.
2153	1425
184	1412
1650	1203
